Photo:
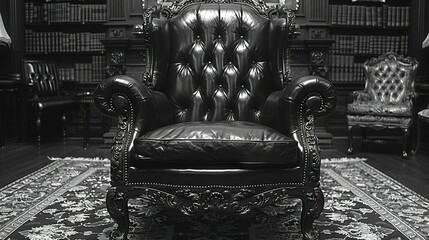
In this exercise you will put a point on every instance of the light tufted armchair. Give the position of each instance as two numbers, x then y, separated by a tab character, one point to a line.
216	124
387	101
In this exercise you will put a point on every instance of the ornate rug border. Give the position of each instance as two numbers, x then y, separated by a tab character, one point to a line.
376	173
39	206
404	227
399	224
34	174
22	218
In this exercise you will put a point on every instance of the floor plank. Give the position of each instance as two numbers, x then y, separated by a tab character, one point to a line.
18	159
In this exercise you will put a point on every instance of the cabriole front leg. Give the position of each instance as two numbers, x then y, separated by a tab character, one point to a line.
38	129
117	206
405	142
364	136
350	137
312	206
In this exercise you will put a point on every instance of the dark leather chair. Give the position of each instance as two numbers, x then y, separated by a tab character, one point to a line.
387	100
217	124
45	94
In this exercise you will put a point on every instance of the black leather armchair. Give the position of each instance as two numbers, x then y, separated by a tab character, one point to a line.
216	124
45	94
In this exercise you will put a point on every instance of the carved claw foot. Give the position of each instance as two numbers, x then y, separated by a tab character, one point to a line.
311	209
116	235
404	154
350	150
117	206
314	236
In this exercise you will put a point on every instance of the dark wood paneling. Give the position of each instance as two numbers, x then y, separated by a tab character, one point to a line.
418	33
136	7
318	10
116	10
16	34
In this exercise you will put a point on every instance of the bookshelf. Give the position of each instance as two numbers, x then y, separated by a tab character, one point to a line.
69	32
365	29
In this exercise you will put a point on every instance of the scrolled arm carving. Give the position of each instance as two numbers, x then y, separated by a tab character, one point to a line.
412	96
112	96
292	111
128	99
133	103
304	99
360	96
123	96
310	95
307	96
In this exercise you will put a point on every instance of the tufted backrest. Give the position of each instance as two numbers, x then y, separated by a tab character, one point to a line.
42	75
390	77
218	61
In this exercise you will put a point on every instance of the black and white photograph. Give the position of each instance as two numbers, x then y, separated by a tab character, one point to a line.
214	119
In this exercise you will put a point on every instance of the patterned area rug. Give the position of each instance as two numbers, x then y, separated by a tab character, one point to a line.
65	200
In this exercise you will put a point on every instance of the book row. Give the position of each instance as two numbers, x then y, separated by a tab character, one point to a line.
348	73
369	44
345	69
58	42
64	12
92	72
382	16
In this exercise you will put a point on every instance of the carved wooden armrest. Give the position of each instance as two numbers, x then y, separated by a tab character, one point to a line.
138	109
292	112
360	96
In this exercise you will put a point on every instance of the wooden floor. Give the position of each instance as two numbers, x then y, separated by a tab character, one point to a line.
19	159
412	172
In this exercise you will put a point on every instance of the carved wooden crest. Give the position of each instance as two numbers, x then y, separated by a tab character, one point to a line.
271	10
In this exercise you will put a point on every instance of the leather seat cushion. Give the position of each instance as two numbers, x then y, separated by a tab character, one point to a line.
217	142
379	108
379	121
